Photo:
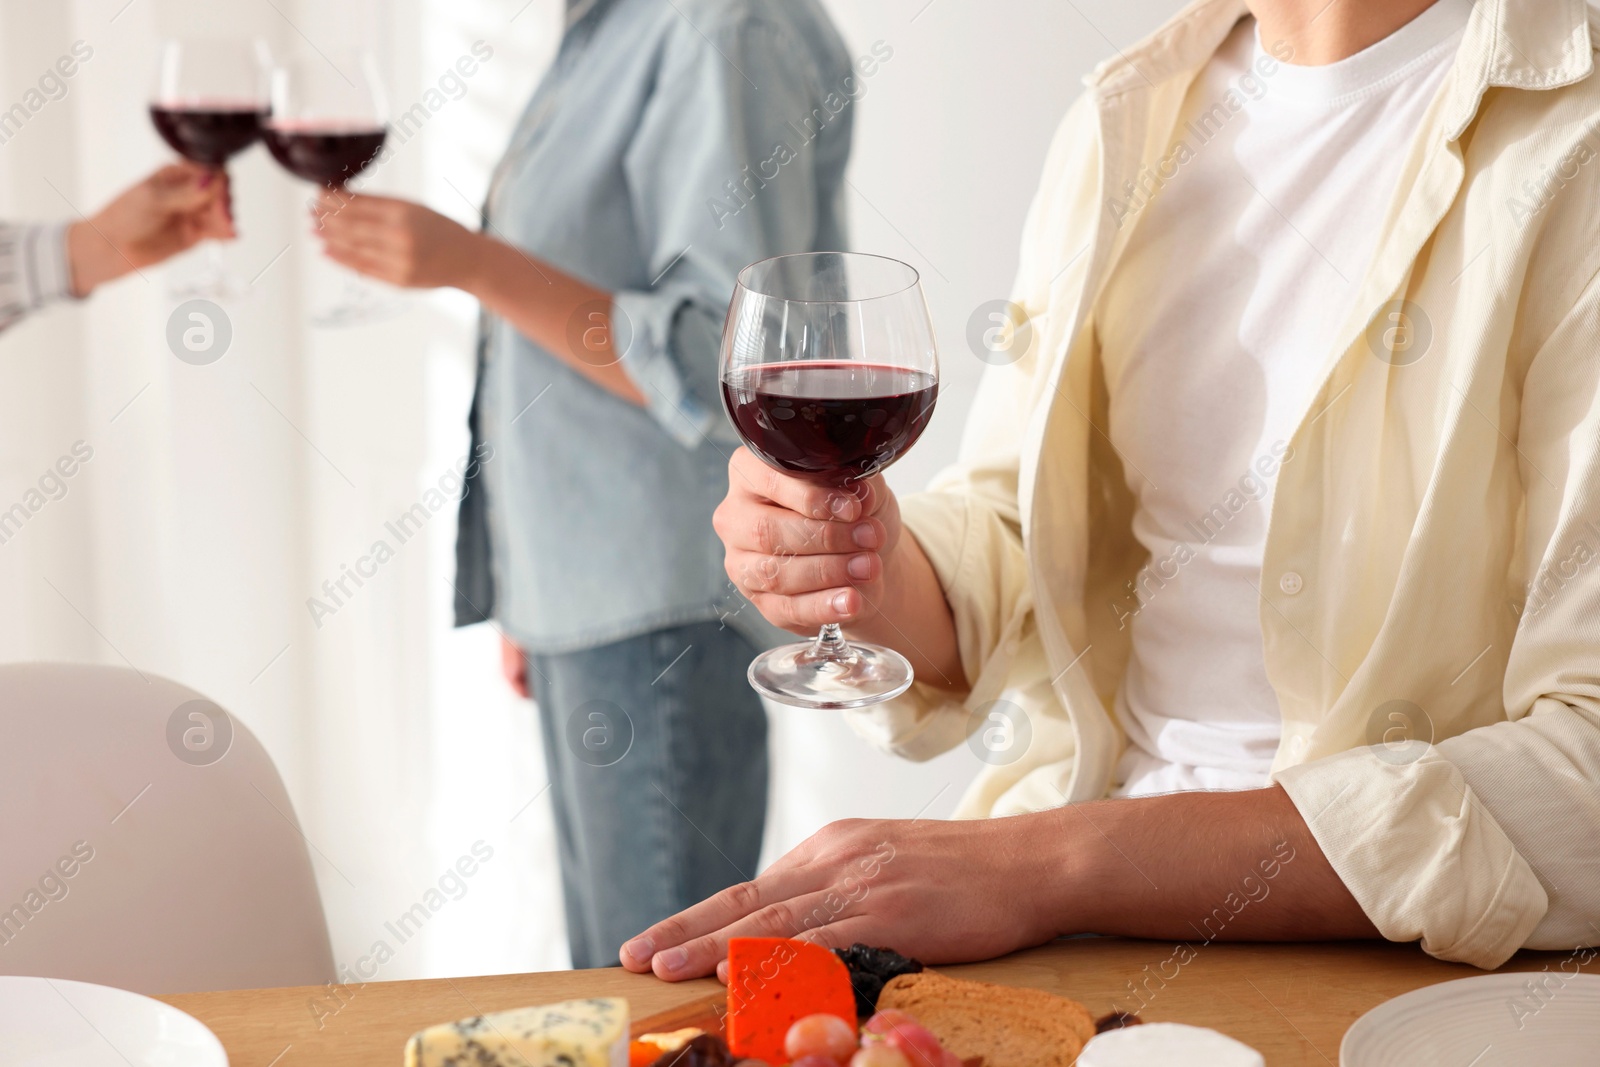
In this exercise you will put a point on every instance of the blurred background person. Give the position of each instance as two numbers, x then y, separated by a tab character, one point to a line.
168	212
669	145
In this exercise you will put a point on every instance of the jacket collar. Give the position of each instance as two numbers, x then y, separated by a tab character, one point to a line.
1524	44
1517	44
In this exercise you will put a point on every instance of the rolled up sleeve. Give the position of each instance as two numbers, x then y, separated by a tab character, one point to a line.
35	269
1486	843
1422	855
718	179
1538	773
667	331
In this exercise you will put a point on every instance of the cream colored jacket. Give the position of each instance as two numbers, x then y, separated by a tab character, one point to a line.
1433	558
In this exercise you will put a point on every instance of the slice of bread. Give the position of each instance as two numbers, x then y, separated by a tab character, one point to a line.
1005	1026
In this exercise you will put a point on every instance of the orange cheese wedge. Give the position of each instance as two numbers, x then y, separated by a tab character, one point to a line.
773	981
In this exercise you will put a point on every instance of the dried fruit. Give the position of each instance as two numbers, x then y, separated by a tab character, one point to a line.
869	969
1116	1020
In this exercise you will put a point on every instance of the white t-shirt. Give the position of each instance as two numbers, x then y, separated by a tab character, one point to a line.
1215	328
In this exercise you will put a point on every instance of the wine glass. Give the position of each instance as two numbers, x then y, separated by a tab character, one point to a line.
328	124
208	104
829	373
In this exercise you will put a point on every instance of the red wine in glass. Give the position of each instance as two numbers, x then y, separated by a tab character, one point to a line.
208	103
832	421
208	133
328	155
329	122
829	372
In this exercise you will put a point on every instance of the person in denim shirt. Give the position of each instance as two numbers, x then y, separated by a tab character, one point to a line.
671	143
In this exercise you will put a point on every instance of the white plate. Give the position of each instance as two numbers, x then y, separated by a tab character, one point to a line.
50	1022
1499	1020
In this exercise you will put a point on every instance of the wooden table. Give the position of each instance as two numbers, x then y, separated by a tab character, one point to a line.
1292	1002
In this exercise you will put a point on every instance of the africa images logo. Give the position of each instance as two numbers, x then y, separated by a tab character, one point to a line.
199	332
199	733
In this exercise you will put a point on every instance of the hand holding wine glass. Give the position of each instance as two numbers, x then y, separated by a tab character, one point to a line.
396	241
168	212
829	373
806	555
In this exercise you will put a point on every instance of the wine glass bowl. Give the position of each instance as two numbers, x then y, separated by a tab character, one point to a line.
210	97
208	133
830	373
209	102
329	120
324	155
328	124
834	423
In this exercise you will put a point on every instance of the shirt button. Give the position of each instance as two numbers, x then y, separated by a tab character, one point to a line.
1291	583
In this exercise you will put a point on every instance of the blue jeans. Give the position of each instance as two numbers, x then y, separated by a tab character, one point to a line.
657	754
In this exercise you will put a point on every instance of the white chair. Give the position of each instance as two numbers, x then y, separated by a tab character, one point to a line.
143	847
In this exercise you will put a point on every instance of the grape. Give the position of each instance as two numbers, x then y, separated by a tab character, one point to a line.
879	1056
827	1036
814	1061
917	1042
887	1019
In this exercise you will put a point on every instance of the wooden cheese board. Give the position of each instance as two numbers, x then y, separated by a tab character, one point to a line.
708	1014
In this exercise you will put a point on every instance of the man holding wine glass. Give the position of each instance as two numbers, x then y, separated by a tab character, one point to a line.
640	179
1265	586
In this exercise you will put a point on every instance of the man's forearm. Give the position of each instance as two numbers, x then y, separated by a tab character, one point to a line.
915	619
566	317
1227	866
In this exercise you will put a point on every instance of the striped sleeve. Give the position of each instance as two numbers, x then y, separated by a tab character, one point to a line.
34	268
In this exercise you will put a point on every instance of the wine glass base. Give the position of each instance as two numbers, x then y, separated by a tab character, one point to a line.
362	313
799	676
218	289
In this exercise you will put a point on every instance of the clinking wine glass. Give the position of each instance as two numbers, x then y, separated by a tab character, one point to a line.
209	102
829	373
328	123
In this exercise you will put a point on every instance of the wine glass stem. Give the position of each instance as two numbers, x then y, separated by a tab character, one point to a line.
830	645
216	268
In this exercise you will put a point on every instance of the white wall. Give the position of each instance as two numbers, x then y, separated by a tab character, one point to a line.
220	499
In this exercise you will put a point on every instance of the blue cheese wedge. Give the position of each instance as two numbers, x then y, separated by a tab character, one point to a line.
574	1033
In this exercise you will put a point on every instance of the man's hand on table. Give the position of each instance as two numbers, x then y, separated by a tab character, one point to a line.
1190	866
883	881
